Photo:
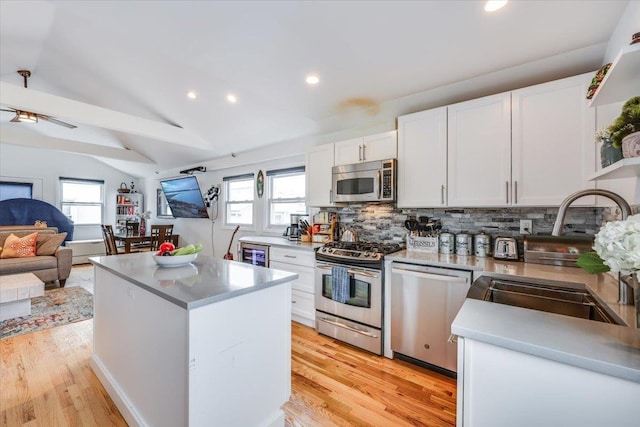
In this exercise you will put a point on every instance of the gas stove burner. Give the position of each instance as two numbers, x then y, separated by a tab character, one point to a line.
356	253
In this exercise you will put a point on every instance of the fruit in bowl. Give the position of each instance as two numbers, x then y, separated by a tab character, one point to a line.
170	256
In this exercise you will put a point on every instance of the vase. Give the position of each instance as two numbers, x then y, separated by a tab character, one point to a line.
609	154
143	227
631	145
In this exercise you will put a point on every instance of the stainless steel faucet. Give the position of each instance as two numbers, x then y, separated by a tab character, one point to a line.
625	296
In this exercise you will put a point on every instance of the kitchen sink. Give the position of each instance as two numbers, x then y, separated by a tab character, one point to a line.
569	299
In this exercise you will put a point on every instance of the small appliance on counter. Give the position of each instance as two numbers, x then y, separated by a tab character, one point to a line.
506	248
293	231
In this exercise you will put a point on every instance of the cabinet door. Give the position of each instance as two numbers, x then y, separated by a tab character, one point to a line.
479	157
318	175
348	152
552	142
382	146
422	159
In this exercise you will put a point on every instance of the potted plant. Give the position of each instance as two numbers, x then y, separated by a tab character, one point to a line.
627	127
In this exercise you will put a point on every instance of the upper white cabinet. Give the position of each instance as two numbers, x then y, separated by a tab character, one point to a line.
319	161
422	148
553	144
380	146
479	159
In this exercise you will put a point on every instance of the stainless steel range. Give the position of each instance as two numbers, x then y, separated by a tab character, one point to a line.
354	316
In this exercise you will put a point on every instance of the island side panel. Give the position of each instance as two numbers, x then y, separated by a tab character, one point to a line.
240	359
505	388
140	352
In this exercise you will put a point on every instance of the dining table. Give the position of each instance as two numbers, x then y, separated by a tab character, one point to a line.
139	241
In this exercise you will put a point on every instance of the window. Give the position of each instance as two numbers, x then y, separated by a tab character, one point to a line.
239	200
82	200
15	190
286	190
162	207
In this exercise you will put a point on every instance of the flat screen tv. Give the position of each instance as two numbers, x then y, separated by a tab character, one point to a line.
184	197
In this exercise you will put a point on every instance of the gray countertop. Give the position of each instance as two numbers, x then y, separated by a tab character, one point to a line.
600	347
205	281
281	241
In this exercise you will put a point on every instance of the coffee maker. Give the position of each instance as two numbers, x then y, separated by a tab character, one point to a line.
293	231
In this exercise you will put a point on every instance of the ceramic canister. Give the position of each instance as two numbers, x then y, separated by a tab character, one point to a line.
463	244
447	243
482	245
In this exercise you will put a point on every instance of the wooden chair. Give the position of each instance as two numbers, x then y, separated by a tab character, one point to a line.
160	234
109	240
133	228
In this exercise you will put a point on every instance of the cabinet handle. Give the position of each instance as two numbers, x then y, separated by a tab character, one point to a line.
515	192
331	196
359	153
364	156
442	195
293	301
290	256
507	186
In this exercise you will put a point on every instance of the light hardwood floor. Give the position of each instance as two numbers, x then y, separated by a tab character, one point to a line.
46	380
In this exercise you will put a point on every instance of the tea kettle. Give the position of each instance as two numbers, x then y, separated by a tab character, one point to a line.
349	235
506	248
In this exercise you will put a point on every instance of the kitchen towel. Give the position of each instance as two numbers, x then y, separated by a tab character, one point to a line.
340	284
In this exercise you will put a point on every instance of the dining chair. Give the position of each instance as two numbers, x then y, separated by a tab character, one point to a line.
109	240
133	228
160	234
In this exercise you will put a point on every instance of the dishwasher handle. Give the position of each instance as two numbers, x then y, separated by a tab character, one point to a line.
440	277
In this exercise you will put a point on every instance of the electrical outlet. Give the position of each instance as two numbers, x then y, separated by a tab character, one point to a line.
526	226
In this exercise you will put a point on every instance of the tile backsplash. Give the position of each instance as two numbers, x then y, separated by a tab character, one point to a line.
385	223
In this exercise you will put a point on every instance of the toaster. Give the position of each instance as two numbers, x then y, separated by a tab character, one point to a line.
506	248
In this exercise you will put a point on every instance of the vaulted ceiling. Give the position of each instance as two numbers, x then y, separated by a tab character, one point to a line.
120	71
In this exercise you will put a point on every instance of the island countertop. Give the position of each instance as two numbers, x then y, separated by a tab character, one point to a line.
204	281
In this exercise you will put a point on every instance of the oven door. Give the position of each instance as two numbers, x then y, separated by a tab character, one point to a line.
365	302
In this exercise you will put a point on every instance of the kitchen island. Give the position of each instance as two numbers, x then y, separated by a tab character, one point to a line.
208	343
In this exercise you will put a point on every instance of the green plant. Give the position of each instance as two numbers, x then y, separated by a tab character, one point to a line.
628	122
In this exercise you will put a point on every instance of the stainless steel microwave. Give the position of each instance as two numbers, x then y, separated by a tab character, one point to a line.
365	182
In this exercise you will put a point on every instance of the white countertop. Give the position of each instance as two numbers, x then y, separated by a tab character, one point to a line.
281	241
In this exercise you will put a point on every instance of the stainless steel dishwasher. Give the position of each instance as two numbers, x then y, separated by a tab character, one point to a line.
424	302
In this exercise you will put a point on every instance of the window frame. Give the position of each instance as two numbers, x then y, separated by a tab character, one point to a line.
226	181
269	200
100	204
163	210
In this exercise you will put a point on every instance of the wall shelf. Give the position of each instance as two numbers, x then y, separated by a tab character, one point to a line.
625	168
622	81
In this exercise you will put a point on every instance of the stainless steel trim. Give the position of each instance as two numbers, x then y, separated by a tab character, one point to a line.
441	277
352	270
352	329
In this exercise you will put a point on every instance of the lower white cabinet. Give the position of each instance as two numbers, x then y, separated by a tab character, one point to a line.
499	387
303	263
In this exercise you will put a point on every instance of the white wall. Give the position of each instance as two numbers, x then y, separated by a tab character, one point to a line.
45	167
212	233
628	25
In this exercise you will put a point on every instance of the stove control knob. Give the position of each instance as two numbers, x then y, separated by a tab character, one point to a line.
367	254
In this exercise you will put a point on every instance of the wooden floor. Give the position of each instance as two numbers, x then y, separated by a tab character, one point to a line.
46	380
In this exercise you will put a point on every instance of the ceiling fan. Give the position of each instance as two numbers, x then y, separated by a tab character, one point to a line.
23	116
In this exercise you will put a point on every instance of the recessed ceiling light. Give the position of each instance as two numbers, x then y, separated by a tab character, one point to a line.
192	95
493	5
312	79
232	98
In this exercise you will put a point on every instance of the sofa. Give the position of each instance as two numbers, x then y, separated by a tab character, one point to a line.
52	261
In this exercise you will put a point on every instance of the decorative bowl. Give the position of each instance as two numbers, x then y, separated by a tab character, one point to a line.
175	260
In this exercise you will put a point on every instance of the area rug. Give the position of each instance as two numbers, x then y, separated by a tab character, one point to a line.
57	307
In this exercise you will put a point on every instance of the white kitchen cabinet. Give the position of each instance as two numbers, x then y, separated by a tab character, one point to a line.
552	142
479	158
422	150
319	161
499	387
303	263
381	146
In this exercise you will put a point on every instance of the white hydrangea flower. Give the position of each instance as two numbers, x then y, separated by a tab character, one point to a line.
618	244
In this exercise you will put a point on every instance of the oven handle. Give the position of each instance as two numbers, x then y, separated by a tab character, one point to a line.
360	272
340	325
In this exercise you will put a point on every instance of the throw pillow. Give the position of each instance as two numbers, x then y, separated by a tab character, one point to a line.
19	247
47	244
